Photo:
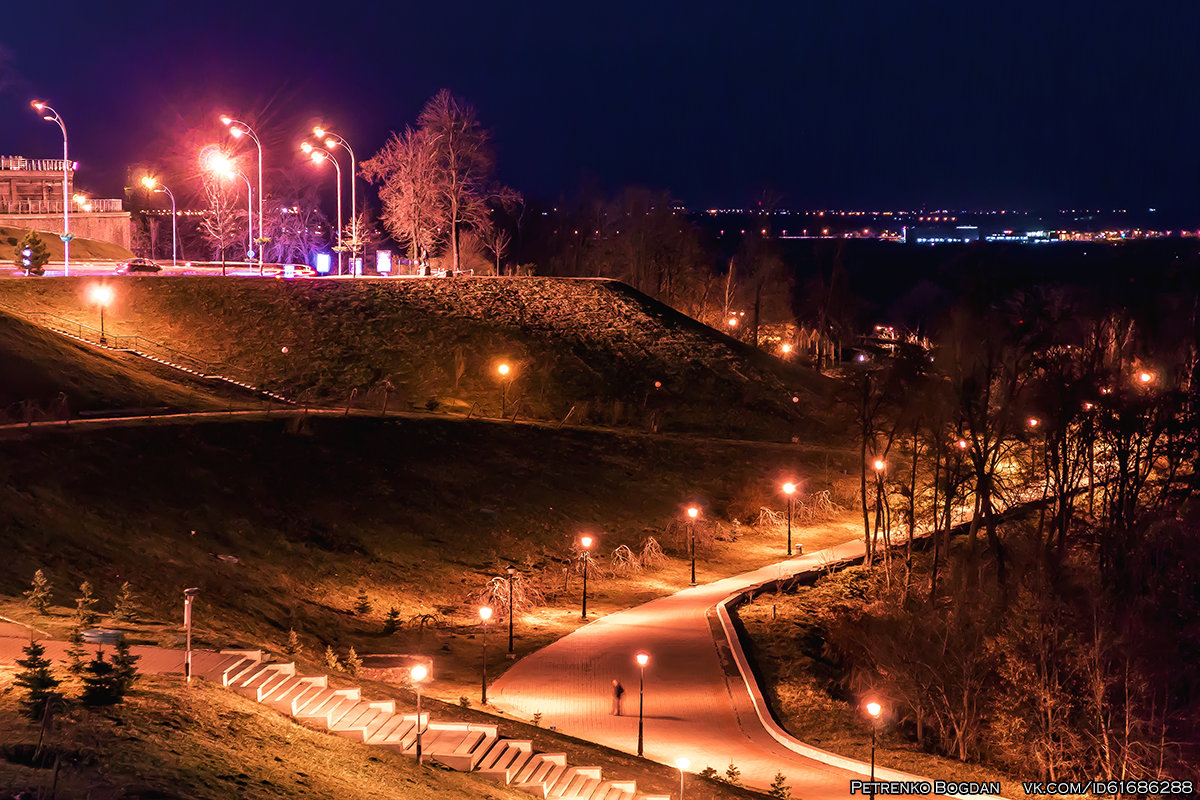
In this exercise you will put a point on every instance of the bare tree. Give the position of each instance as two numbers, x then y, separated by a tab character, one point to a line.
406	173
222	223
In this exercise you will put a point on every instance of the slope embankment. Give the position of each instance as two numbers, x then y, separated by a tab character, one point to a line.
595	350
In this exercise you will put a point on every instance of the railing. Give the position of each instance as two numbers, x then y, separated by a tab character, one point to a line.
34	164
103	204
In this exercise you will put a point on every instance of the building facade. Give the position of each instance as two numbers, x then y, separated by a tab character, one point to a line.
31	197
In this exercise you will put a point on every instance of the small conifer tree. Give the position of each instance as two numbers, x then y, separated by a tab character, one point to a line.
37	680
779	788
363	606
391	623
125	666
710	773
101	685
32	255
85	606
125	608
38	596
332	663
292	648
733	775
352	664
76	652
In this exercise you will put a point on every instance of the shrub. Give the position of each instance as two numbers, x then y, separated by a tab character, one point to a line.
124	610
38	596
85	606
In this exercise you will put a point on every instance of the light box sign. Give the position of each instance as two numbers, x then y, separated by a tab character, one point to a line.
324	263
383	262
358	267
289	270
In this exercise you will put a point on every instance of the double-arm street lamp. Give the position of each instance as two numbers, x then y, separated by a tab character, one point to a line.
333	140
50	115
220	164
318	155
238	129
153	185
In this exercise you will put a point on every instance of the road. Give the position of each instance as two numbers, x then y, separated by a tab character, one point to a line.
696	703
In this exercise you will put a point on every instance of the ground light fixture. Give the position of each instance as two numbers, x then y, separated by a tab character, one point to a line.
585	544
485	616
789	491
692	513
682	764
153	185
418	674
101	295
50	115
873	711
188	596
642	660
512	573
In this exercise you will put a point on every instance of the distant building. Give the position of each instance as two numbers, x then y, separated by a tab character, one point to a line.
31	196
941	234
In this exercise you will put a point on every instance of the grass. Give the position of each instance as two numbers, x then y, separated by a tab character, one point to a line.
589	350
419	513
81	249
785	642
38	366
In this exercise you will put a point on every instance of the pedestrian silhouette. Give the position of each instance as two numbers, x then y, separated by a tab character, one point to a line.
618	690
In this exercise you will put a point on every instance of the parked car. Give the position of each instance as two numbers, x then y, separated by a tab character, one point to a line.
138	265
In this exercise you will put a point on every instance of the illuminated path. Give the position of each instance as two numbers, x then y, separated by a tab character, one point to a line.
697	704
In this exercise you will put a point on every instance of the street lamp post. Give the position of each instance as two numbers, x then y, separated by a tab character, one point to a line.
238	129
503	370
418	674
188	596
789	490
318	155
586	543
101	295
692	513
53	116
485	614
873	710
682	764
642	660
332	140
512	573
154	186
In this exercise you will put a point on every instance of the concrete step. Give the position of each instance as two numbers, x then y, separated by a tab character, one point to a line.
505	759
541	772
295	699
251	660
355	722
251	684
212	666
576	783
329	707
395	725
469	749
616	790
404	737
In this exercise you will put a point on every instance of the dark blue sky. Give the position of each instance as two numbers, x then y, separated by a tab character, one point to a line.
842	103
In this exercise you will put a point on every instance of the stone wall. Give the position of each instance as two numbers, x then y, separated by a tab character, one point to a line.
105	226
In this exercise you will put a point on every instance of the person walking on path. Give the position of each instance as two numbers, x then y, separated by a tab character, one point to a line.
618	690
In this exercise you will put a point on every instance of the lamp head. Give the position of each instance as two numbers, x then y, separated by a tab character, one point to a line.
39	105
236	132
874	709
226	120
485	613
316	156
511	570
101	294
683	763
318	131
191	592
879	464
419	673
693	512
149	182
306	147
642	659
585	541
789	488
331	142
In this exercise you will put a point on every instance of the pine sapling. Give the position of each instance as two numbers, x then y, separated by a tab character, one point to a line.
101	686
352	664
331	660
125	608
37	680
363	606
292	648
124	666
779	788
733	775
76	652
391	623
38	596
85	606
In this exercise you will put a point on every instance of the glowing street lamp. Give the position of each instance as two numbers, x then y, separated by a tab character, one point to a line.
1145	378
485	616
1033	422
682	764
586	543
512	573
188	596
153	185
692	513
789	490
786	349
101	295
505	373
332	140
318	155
50	115
418	674
238	129
642	660
873	710
879	465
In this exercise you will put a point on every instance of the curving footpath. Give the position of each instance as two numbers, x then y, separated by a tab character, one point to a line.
701	700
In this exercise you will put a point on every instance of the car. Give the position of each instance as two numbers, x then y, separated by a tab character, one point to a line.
138	265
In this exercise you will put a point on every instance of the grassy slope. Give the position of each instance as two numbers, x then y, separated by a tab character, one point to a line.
37	365
81	249
594	346
419	513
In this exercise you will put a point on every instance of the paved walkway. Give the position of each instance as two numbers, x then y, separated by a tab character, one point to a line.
696	703
14	637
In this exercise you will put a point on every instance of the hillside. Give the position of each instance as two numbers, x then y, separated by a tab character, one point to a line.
81	248
283	525
594	349
38	367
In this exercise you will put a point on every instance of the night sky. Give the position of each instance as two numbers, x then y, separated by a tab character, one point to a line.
831	104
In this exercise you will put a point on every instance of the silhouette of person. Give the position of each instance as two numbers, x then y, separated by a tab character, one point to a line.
617	691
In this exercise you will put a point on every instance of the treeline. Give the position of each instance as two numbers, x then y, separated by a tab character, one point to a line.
1065	641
